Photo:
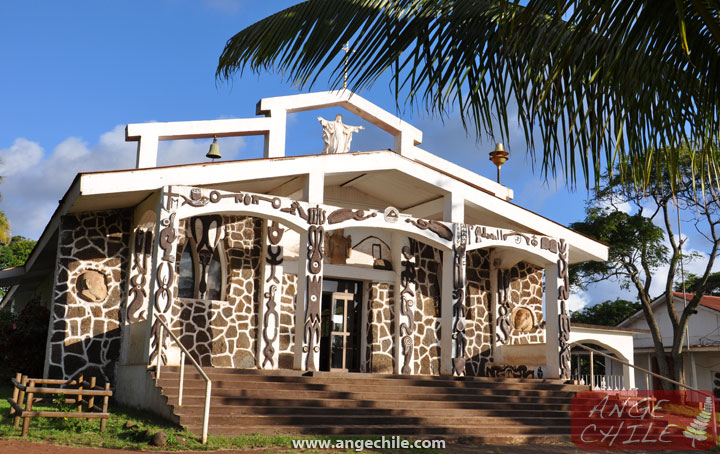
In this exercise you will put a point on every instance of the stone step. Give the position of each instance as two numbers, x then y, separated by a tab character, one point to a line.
372	420
172	382
364	396
561	432
345	403
232	375
186	409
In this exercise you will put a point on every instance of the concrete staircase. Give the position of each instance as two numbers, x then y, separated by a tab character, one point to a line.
487	410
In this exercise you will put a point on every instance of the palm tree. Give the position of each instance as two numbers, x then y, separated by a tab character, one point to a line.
596	83
4	228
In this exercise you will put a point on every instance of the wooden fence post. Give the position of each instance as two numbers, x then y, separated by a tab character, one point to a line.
21	399
80	396
106	398
91	399
28	408
16	391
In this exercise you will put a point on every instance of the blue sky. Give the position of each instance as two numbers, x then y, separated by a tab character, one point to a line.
74	73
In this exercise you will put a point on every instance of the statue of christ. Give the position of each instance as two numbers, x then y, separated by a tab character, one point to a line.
337	135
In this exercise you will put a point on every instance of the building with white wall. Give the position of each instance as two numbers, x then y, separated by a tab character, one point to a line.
390	261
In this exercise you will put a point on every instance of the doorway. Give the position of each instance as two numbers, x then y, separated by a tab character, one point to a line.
341	320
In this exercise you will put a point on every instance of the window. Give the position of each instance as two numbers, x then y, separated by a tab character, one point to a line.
202	262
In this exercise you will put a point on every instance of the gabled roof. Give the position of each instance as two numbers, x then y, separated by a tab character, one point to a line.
707	301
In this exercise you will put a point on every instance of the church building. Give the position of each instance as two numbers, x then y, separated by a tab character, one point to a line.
377	262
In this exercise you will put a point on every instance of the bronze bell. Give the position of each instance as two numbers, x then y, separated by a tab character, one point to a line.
214	152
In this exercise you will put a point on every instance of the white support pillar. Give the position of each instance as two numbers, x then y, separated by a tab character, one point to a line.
275	137
268	333
396	254
552	325
493	303
313	194
453	211
403	258
163	277
147	152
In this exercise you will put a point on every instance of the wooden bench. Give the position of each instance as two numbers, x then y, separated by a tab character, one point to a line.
30	390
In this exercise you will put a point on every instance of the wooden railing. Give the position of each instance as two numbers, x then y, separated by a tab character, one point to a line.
26	391
184	353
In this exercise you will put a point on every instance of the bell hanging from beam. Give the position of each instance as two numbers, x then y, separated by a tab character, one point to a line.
214	152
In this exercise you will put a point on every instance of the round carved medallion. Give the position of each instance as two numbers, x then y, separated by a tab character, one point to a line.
522	320
91	286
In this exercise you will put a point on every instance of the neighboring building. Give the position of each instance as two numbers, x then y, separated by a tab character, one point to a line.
702	357
379	261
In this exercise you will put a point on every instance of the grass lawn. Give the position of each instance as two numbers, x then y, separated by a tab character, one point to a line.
78	432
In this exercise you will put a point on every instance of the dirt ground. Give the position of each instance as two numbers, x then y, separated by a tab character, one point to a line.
23	447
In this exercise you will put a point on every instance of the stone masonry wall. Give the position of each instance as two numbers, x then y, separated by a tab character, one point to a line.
427	311
478	320
89	292
223	333
526	294
381	329
286	309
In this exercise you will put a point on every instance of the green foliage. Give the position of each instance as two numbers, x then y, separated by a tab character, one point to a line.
16	252
608	313
599	83
692	282
22	341
633	239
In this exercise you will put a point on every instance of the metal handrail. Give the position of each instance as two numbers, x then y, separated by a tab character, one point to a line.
185	353
647	372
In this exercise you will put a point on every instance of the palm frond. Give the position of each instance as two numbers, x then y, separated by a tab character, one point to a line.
595	82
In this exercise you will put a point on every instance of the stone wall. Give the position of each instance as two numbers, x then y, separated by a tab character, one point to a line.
427	311
526	294
223	333
286	309
89	292
478	320
380	355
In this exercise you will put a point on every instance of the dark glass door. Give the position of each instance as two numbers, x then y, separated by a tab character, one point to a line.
341	320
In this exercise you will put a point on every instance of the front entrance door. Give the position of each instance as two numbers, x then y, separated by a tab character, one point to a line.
341	319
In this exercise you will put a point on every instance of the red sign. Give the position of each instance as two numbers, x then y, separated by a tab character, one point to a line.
644	420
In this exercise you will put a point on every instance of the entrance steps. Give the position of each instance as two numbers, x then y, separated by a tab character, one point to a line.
487	410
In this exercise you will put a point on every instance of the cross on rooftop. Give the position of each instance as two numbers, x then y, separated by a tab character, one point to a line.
347	50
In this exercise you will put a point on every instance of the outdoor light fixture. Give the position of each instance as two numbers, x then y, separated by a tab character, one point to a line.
214	152
499	156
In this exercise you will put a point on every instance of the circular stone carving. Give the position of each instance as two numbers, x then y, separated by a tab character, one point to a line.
91	286
522	320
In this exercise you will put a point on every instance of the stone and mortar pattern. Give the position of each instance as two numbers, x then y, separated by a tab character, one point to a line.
479	316
526	291
89	293
427	310
286	310
223	333
380	354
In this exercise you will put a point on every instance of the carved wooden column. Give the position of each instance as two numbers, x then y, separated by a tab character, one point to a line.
557	323
404	263
163	281
459	310
313	293
268	337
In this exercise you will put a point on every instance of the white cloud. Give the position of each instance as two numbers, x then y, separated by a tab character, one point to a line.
577	301
36	180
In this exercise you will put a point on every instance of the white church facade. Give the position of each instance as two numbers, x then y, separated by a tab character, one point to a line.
388	262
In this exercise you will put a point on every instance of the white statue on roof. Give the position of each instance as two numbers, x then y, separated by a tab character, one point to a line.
337	135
